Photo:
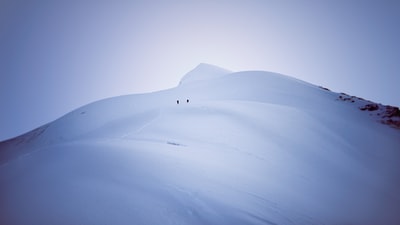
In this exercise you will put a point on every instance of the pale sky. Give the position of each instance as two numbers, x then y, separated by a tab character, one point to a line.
56	56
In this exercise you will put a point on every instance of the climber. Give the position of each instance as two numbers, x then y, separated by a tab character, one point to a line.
187	100
177	101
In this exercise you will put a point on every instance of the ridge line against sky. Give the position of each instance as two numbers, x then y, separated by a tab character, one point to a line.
56	56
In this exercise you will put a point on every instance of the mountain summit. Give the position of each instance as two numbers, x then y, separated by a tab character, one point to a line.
247	147
203	72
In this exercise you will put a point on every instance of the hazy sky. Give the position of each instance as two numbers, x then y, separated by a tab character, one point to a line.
56	56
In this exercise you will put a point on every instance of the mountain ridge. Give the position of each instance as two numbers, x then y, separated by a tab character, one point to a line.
248	147
203	71
389	115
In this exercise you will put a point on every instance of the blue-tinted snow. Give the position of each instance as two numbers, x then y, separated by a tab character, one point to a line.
249	148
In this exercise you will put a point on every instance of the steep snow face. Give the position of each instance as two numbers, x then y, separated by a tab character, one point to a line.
248	148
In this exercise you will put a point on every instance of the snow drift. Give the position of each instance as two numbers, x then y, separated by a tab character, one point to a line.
249	148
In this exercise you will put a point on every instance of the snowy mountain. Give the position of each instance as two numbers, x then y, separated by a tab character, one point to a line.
249	147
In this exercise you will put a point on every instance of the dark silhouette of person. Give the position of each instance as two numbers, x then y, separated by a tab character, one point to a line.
177	102
187	100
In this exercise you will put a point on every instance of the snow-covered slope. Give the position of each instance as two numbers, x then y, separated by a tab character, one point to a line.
248	148
204	72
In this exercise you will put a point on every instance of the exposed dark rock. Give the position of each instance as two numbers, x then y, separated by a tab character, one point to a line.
345	97
370	107
391	116
324	88
392	111
388	115
360	99
392	123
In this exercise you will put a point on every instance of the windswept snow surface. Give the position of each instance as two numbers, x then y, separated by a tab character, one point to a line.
204	72
249	148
